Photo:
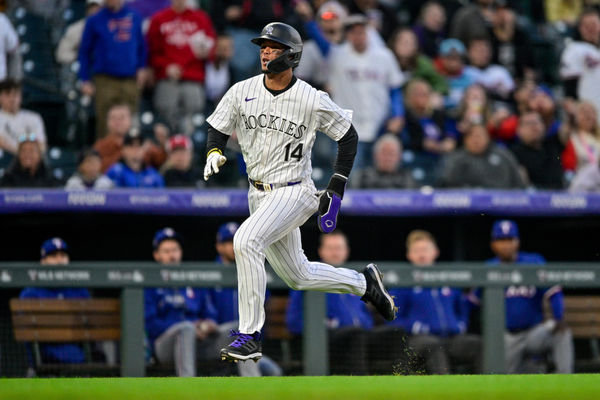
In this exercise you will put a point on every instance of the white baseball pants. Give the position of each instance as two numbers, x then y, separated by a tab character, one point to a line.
272	231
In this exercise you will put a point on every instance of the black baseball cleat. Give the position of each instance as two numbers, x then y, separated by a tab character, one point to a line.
244	347
376	294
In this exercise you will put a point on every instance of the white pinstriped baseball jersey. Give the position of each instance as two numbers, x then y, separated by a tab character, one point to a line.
276	132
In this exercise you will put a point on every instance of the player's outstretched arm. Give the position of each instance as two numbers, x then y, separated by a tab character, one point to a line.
331	199
215	144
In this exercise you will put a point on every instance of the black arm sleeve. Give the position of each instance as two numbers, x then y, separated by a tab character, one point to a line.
346	152
216	140
570	87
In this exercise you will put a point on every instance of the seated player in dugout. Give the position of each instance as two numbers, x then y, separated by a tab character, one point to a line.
435	318
179	320
275	117
529	335
55	252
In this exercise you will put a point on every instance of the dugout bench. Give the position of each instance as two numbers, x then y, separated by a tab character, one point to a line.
82	321
582	316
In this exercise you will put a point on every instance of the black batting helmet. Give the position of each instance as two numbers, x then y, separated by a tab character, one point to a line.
289	37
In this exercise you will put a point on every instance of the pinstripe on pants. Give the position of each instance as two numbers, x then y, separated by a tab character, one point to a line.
272	231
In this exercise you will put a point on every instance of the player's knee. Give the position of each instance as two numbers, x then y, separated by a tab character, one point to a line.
244	244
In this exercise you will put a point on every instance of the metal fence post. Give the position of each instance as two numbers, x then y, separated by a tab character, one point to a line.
132	332
314	343
493	324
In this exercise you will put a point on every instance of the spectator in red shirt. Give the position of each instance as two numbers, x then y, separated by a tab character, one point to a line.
180	40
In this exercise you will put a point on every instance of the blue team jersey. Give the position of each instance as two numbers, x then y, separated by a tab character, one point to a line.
225	301
342	310
524	304
69	353
436	311
165	307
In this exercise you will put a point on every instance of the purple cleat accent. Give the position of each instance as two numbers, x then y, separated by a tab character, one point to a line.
244	347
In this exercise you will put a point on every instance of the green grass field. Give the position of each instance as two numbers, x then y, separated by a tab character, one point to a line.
463	387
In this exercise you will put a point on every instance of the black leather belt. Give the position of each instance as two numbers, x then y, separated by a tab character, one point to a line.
267	187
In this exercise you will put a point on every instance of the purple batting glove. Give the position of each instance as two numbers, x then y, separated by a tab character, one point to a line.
329	207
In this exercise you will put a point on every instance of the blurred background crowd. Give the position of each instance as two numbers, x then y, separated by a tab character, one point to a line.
481	94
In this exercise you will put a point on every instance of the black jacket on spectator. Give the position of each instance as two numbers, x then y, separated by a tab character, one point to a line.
17	177
192	178
542	163
415	129
515	55
370	178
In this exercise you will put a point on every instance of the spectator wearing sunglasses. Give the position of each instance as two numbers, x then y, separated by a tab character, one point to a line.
28	169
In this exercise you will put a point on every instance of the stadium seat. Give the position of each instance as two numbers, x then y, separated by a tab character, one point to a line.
423	166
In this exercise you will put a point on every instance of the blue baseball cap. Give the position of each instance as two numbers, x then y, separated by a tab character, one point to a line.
226	231
165	234
52	246
505	229
452	45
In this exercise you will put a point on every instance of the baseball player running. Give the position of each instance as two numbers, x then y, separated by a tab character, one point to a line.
276	116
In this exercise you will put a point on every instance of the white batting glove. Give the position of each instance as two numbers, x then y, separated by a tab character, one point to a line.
213	162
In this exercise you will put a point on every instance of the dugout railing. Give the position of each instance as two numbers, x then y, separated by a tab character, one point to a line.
133	277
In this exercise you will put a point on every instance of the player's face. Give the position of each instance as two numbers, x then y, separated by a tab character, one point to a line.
269	50
168	253
422	253
334	250
56	258
225	250
505	249
119	121
10	101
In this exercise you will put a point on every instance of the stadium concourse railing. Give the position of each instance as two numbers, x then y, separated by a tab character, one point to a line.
132	278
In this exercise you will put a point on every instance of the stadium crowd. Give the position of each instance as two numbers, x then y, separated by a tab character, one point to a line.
482	94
